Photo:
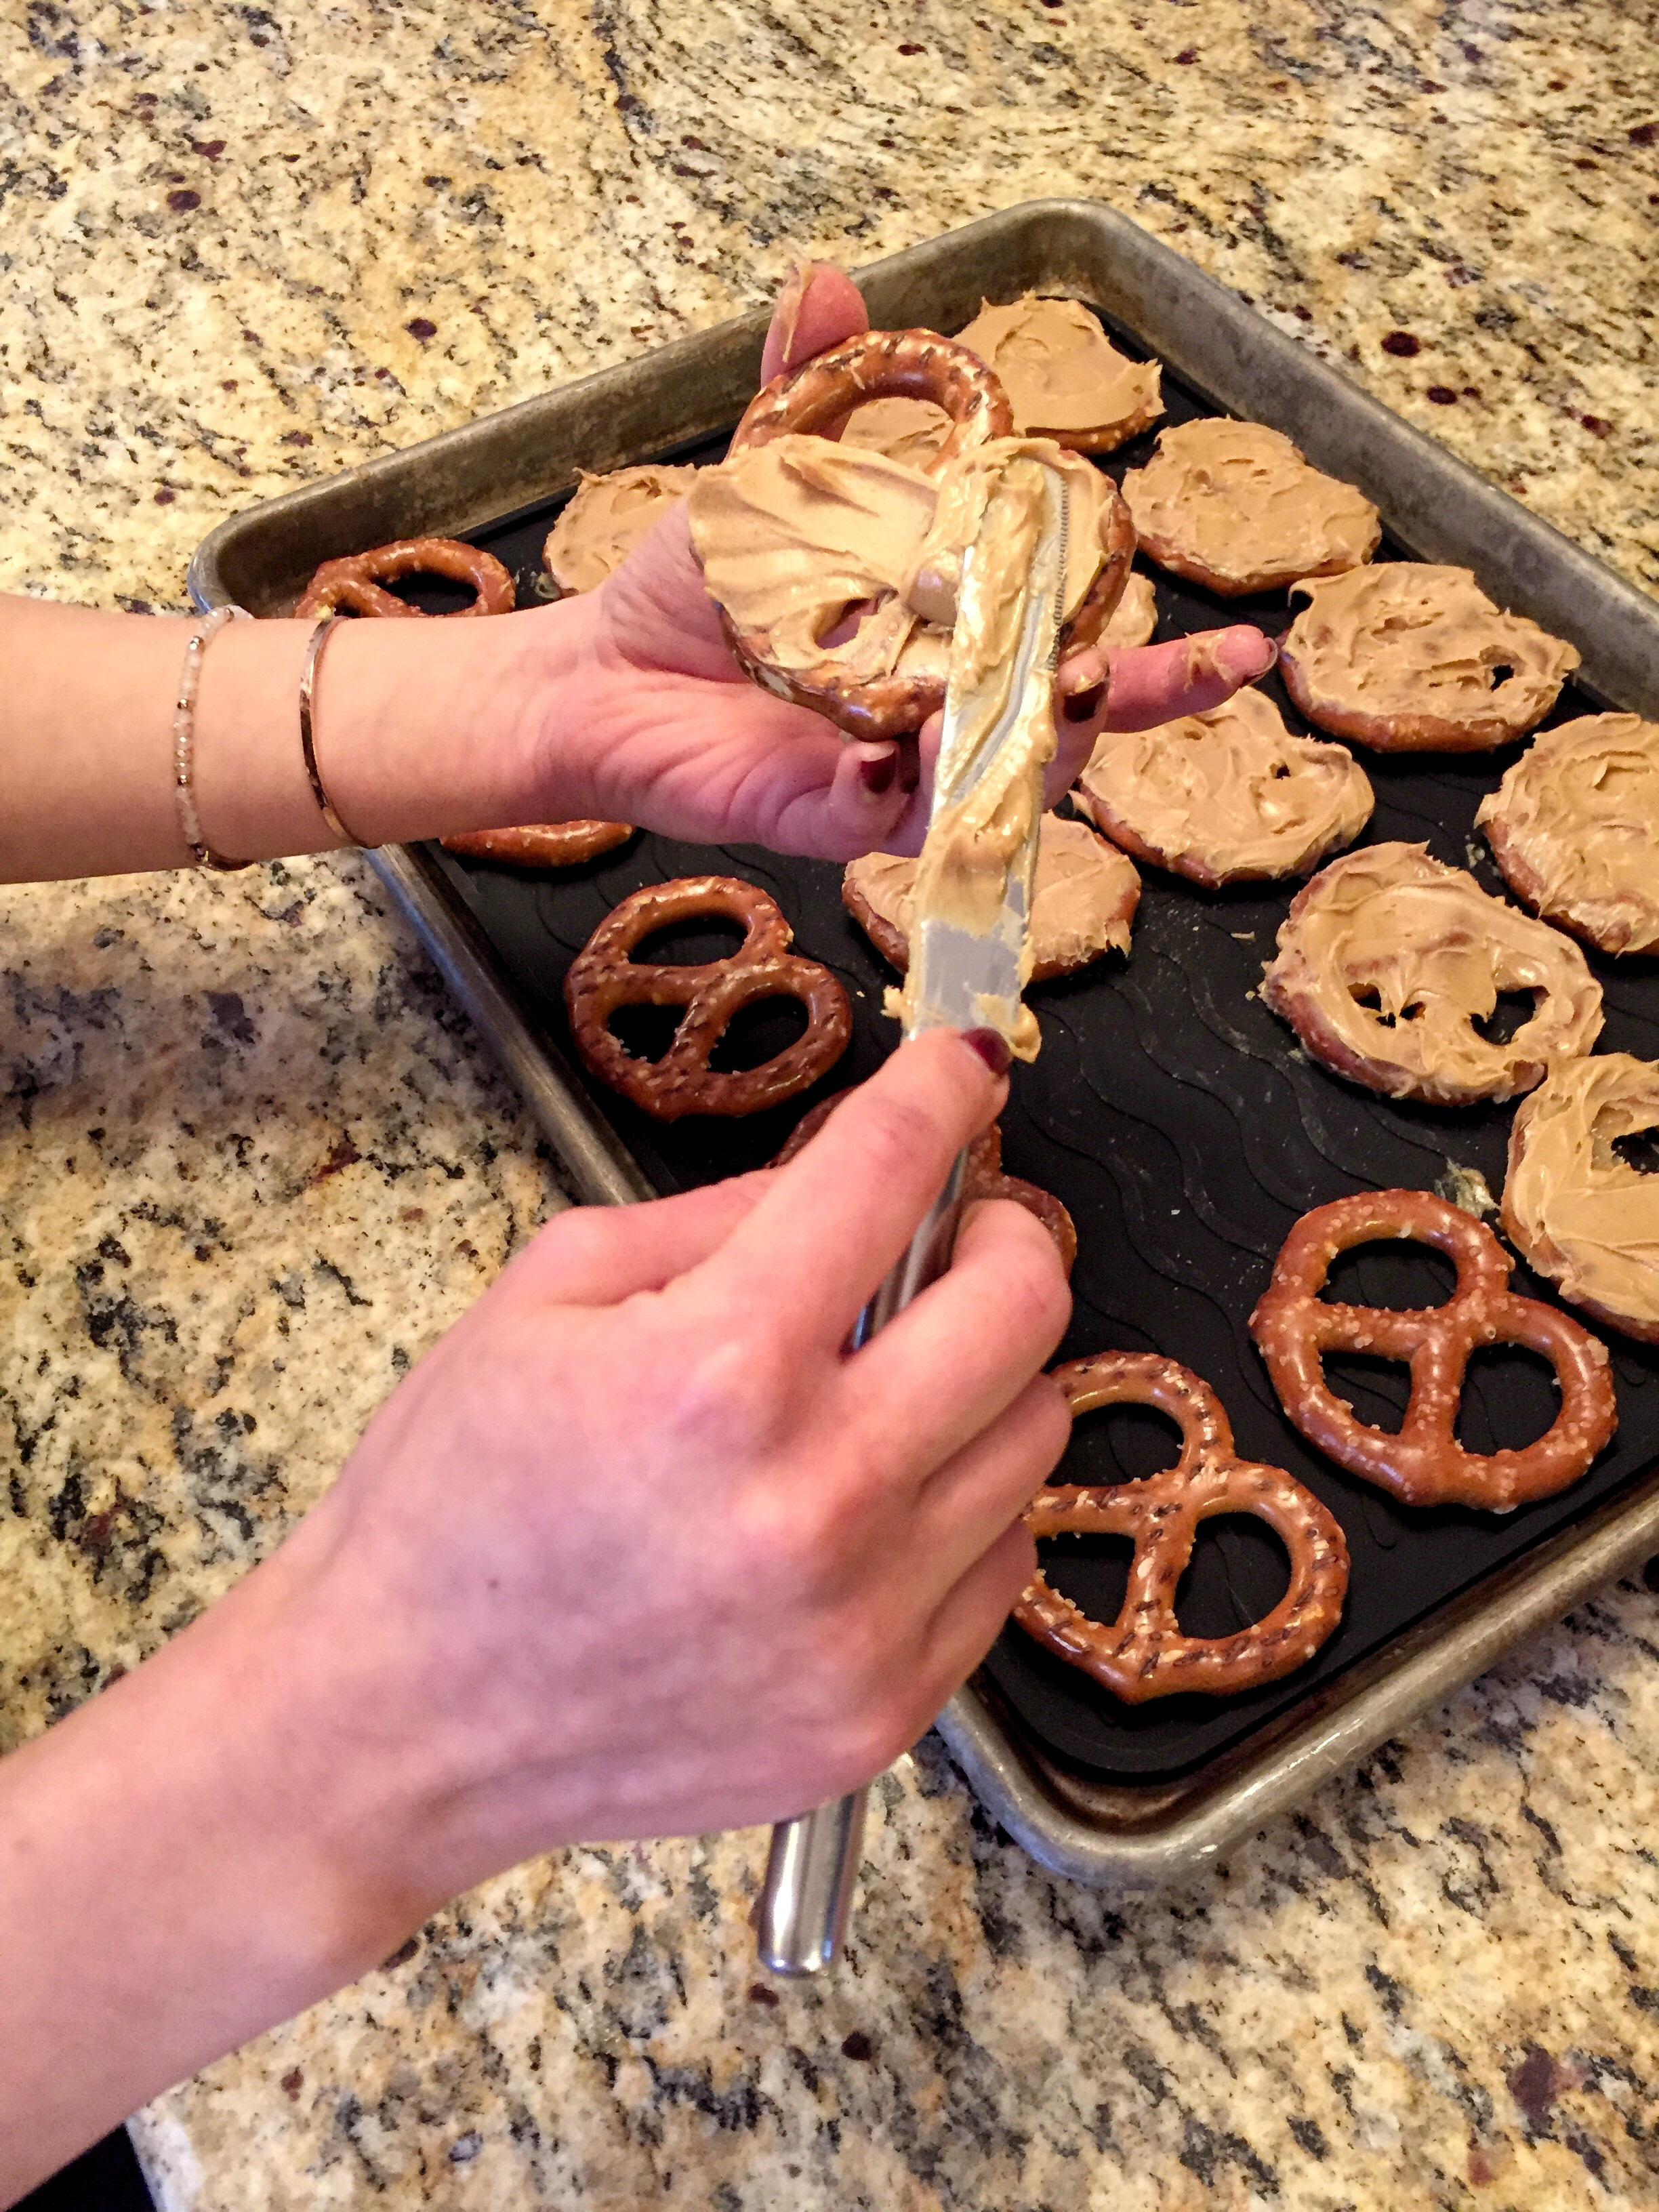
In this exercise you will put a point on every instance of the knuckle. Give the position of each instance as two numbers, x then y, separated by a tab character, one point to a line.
1030	1275
731	1400
897	1135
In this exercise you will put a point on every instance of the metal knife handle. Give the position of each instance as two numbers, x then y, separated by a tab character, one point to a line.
810	1868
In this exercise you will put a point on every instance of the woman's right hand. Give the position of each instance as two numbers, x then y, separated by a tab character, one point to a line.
639	1549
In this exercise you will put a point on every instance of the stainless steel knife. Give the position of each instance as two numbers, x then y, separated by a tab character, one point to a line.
966	971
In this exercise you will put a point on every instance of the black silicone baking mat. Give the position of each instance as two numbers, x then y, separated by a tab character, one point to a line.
1186	1131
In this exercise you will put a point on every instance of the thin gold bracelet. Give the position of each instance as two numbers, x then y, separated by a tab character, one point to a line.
183	739
319	638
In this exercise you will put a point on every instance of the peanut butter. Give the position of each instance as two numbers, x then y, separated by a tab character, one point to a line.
1575	826
794	534
1063	376
1234	505
1134	617
606	520
1389	959
911	430
1082	906
1580	1213
1226	795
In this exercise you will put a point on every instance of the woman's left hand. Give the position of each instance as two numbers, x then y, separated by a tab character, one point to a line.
673	734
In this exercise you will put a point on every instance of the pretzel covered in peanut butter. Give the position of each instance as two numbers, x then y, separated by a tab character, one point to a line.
1424	1464
356	583
1144	1653
836	566
604	977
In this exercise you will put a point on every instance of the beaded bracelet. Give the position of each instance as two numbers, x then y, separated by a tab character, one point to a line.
183	738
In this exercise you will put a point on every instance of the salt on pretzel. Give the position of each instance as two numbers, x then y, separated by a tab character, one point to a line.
604	977
356	582
541	844
1424	1464
1144	1653
984	1177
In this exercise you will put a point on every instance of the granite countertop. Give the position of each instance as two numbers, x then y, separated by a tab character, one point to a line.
253	1160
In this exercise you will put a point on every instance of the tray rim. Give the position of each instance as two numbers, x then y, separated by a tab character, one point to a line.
1070	1826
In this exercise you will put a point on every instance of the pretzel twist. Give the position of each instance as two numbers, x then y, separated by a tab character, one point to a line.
604	976
541	844
1424	1464
357	581
1144	1653
817	397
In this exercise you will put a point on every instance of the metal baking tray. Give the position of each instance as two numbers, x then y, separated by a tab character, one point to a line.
1173	1115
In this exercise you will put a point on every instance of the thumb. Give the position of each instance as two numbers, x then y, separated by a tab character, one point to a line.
818	307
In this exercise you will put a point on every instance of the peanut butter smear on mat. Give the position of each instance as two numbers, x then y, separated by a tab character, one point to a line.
1581	1214
1063	376
1391	958
606	520
794	534
1227	794
1237	502
1081	906
1575	825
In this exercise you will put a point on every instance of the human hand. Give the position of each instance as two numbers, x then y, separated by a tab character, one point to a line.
677	737
640	1549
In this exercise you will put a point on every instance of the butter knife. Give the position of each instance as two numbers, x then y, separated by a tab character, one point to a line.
970	919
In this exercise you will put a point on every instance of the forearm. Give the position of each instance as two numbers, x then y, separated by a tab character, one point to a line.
181	1866
421	727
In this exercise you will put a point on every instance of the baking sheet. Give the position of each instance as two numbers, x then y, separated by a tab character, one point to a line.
1185	1130
1171	1112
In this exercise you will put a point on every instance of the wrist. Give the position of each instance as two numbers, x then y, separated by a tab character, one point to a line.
419	728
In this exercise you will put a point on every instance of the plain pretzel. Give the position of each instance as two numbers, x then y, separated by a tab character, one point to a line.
541	844
1424	1464
357	582
604	977
1144	1653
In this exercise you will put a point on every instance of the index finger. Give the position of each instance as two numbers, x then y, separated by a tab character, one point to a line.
812	1254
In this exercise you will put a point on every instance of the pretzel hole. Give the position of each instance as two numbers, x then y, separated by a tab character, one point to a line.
1377	1390
434	595
840	628
1119	1443
1236	1575
645	1032
1368	996
1398	1273
1514	1010
1640	1151
1093	1571
759	1032
1510	1399
693	942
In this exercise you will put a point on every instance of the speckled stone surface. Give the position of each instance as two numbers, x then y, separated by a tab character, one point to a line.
251	1162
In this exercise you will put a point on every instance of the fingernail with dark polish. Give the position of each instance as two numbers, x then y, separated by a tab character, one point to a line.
1083	706
991	1047
877	775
